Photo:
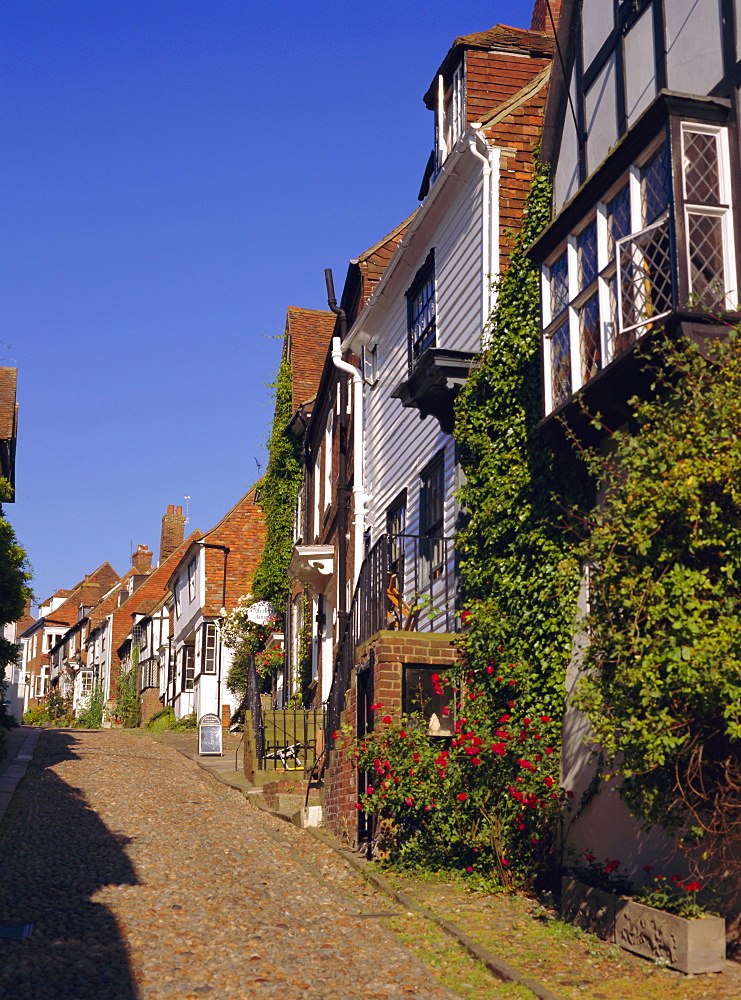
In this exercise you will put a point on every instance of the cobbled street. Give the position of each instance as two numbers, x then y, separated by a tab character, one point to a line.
145	878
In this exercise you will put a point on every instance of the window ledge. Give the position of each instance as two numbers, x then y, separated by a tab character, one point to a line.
434	382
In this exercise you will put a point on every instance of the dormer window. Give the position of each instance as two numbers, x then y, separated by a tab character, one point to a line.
451	108
421	310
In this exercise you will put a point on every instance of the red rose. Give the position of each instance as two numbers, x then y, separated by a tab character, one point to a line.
548	781
462	796
693	887
402	734
469	869
386	719
409	801
545	718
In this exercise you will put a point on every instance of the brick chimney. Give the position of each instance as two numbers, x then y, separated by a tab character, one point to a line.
542	19
142	560
173	531
90	591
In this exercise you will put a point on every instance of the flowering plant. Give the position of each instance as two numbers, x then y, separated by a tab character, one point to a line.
485	800
674	895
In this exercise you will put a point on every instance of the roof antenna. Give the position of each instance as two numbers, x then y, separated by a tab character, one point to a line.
186	497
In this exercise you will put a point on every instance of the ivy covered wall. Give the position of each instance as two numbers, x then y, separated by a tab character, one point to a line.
520	576
279	491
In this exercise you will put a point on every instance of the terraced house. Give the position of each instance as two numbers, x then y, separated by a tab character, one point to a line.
641	133
381	456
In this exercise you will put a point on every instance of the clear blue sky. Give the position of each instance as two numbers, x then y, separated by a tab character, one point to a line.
173	175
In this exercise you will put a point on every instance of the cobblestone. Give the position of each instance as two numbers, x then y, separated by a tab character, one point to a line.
145	879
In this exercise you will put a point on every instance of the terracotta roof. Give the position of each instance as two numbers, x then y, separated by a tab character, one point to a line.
309	333
372	263
500	38
8	381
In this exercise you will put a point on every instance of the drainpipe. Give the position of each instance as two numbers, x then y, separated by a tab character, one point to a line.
358	492
486	235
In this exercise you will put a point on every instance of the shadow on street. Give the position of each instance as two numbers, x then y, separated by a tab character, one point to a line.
55	853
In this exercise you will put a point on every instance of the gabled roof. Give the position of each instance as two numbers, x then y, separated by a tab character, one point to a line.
308	336
368	268
153	589
500	38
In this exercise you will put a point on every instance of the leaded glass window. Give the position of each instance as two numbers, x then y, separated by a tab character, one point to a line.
421	310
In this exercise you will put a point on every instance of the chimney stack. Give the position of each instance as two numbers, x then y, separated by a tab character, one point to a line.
173	531
142	560
542	19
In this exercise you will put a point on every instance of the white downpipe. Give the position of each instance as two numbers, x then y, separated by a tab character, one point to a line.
358	491
486	229
441	140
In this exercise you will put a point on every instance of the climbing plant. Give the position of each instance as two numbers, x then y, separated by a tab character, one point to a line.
662	684
279	490
15	576
518	569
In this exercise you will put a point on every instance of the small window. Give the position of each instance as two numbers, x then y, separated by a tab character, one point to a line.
426	695
421	310
208	649
454	109
188	665
431	517
370	364
192	580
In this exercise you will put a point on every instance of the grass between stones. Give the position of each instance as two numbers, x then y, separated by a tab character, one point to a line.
572	964
449	963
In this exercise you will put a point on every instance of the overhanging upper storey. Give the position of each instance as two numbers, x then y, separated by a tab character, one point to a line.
647	242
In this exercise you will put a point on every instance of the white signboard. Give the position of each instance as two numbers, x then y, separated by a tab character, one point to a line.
260	612
209	736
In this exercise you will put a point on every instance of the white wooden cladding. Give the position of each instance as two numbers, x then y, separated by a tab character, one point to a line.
398	444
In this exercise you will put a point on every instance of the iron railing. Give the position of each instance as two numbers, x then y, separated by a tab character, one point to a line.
289	739
406	583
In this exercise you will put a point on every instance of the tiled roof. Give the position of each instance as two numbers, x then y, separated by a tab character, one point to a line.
310	333
372	263
8	380
500	38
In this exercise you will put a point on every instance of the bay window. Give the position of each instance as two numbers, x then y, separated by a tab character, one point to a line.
658	242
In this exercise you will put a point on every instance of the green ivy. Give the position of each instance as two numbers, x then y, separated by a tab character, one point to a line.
520	577
15	576
662	684
279	491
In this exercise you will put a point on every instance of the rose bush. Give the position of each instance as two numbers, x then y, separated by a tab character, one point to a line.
487	800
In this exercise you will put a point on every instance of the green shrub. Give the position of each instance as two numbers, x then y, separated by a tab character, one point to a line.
91	717
38	716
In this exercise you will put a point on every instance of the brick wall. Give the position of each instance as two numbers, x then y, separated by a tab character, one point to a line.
391	650
150	704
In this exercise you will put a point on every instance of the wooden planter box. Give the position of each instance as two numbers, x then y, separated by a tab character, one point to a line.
691	946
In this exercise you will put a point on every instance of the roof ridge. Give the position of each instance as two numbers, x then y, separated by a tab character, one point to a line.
384	239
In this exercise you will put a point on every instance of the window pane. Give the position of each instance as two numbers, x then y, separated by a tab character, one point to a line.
421	309
560	365
655	186
618	220
646	275
589	339
586	256
701	176
559	286
707	275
